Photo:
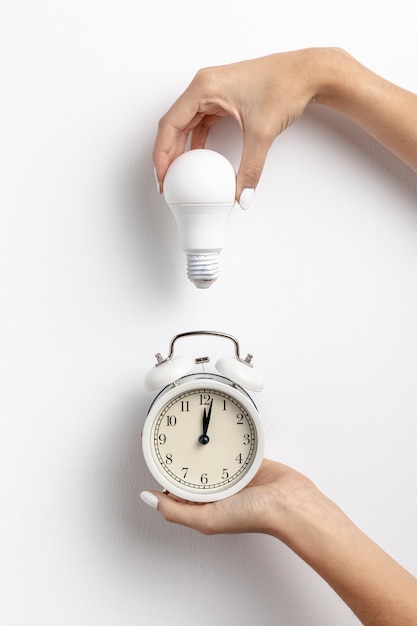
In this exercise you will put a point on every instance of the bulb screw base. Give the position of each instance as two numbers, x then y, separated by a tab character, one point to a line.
203	269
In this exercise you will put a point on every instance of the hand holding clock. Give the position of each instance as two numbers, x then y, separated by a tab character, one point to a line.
249	511
283	503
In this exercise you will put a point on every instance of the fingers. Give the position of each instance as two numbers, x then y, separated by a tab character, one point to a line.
241	513
192	515
184	513
171	140
194	112
189	116
200	132
169	144
173	132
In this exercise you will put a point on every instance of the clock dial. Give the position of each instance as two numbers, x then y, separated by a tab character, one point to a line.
204	439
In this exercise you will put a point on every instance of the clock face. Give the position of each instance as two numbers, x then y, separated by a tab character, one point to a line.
203	440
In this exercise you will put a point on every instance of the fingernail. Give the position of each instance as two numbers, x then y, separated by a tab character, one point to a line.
246	198
158	184
150	499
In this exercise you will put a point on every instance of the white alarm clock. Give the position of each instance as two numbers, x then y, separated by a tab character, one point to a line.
203	438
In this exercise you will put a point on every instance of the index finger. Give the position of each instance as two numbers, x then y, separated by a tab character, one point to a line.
172	136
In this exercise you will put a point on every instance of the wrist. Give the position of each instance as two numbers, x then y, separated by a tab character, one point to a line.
310	522
341	82
335	75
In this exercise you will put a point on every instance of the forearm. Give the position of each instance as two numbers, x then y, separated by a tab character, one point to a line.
384	110
377	589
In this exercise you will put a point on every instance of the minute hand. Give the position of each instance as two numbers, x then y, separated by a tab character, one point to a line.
206	421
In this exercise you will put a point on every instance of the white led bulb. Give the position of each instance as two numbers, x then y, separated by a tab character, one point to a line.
200	189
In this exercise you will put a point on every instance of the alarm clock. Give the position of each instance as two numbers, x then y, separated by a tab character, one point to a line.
203	438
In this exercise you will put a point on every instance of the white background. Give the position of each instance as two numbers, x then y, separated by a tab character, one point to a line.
318	281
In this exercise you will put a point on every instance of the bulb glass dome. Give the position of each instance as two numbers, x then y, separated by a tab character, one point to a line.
200	189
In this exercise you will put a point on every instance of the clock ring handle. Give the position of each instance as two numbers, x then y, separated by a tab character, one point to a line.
214	333
234	368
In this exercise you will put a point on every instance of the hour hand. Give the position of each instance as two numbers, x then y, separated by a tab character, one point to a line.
204	438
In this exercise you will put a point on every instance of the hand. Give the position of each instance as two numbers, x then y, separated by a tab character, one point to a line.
267	94
264	95
254	509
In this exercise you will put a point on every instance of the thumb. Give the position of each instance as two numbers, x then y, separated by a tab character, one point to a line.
250	169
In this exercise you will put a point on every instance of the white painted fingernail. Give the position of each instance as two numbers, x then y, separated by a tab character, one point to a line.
150	499
245	199
158	184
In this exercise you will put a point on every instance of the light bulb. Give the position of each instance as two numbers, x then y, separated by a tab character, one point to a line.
200	189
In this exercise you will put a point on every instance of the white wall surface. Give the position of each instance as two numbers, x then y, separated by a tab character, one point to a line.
318	281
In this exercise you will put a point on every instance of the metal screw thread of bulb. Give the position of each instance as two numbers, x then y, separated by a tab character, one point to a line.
203	269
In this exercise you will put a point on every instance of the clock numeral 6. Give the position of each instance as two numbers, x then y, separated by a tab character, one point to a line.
204	479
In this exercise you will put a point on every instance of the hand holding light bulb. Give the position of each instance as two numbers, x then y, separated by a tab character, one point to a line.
200	189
